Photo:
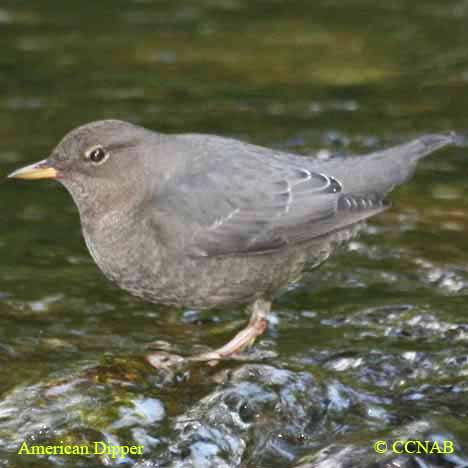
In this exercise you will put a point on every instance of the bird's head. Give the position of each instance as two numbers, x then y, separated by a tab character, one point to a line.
100	163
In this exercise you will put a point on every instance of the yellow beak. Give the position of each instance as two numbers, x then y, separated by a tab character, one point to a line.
39	170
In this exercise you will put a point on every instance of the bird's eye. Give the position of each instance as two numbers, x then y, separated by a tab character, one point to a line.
97	155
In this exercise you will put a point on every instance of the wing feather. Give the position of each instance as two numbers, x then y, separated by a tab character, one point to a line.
255	203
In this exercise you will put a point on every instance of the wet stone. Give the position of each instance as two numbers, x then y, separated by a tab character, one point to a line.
363	454
258	413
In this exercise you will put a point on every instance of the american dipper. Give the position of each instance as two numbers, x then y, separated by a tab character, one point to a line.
202	221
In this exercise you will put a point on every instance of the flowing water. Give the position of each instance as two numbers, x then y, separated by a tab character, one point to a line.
372	346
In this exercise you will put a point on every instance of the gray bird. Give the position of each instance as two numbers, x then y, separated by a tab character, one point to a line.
203	221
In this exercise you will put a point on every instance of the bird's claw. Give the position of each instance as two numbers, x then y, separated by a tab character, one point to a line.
164	360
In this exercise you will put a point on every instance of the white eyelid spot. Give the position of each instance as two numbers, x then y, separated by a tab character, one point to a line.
90	150
89	155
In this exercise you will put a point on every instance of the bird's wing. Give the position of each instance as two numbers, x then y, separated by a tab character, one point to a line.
235	212
233	198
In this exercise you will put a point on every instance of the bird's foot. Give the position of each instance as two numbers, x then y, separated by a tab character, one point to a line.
164	360
231	350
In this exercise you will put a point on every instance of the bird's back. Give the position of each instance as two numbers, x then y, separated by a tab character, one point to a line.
233	198
236	221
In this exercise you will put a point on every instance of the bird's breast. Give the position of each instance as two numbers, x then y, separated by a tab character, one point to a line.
131	255
125	250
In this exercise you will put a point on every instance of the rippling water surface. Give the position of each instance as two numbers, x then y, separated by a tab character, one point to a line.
372	346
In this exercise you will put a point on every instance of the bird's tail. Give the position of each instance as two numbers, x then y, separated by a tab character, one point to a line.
381	171
423	146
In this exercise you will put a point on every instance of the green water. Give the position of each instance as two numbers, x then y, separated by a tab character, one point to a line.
381	330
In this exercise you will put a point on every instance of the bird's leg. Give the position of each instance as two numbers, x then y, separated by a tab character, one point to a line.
256	326
246	337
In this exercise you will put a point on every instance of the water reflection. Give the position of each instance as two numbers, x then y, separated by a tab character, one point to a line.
371	345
